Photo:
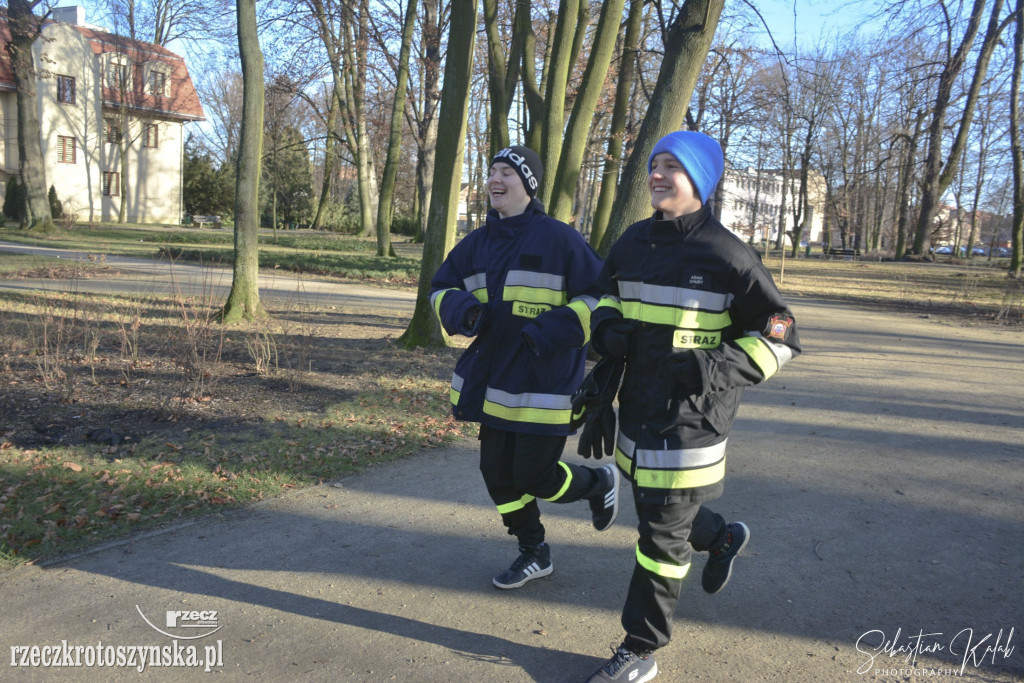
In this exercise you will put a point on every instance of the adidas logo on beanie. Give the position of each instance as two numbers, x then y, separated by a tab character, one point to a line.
526	163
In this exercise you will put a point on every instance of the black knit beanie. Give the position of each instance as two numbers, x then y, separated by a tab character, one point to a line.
526	163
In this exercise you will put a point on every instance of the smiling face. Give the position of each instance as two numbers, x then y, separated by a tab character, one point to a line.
672	191
506	191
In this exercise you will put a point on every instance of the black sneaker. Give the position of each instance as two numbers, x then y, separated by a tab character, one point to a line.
532	563
719	567
604	507
626	666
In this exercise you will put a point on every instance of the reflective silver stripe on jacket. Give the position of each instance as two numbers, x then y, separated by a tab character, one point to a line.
590	301
475	282
783	354
670	459
527	278
677	297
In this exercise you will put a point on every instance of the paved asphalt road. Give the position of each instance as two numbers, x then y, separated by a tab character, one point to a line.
145	276
880	474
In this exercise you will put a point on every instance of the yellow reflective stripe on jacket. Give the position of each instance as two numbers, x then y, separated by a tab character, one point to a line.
669	571
435	300
767	356
683	468
534	288
515	505
692	309
688	479
456	389
549	409
608	301
477	286
534	295
675	317
565	485
582	306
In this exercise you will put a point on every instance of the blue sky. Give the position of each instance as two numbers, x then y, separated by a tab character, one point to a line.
815	18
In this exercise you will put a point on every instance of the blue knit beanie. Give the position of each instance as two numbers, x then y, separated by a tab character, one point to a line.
700	156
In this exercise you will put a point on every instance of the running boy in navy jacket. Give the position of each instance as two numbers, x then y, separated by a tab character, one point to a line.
518	285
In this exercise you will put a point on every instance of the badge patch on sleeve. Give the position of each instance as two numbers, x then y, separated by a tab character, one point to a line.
778	327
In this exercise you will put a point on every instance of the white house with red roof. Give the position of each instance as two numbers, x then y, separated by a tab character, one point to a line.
92	87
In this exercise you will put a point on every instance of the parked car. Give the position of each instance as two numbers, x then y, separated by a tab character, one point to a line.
1001	252
979	251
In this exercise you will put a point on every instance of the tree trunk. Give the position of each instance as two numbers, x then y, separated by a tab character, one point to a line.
1016	144
24	27
329	157
354	42
560	202
427	125
938	174
496	81
905	185
123	141
686	47
617	127
244	299
557	76
533	99
424	329
387	183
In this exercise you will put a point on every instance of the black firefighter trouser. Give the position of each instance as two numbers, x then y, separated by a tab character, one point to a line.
519	468
668	530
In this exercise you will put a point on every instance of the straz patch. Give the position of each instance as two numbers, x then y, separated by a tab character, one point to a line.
528	310
696	339
778	327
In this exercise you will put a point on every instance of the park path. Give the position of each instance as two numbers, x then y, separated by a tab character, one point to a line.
880	474
141	276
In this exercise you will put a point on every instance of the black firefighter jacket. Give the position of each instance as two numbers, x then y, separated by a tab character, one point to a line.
691	287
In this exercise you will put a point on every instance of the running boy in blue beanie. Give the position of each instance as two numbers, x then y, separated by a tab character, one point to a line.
697	317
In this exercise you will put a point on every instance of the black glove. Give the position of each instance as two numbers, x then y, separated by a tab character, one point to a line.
685	370
598	431
612	338
593	401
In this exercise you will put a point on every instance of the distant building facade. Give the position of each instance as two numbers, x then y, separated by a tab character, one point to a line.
752	199
99	94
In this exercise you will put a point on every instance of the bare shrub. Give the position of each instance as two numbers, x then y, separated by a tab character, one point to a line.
967	292
262	348
299	334
128	325
195	345
1012	306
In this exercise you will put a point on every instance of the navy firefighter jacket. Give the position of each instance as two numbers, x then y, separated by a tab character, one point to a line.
695	291
530	273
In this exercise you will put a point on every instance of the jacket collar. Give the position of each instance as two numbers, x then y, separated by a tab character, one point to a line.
507	226
682	224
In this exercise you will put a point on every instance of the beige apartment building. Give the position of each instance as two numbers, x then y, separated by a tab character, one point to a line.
99	95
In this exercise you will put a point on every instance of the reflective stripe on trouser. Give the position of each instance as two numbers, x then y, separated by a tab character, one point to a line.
667	533
681	468
519	468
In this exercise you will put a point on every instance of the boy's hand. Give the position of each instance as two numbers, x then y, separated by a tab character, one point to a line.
686	373
598	432
473	319
615	337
